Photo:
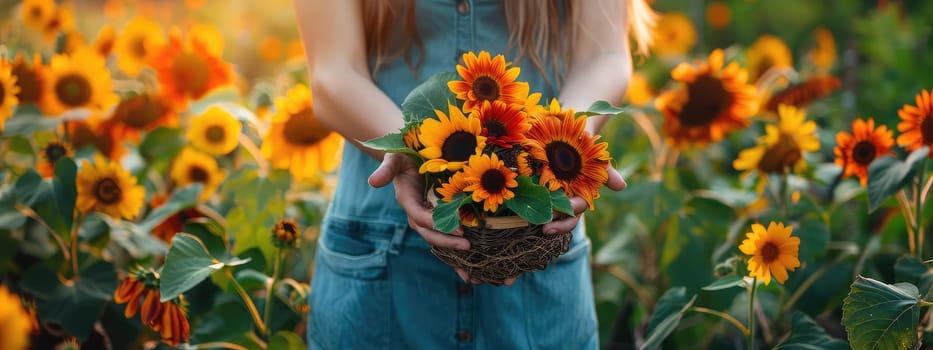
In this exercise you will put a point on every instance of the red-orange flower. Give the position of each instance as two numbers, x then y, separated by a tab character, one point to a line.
29	78
916	124
172	224
174	326
855	152
140	113
487	78
96	133
503	124
802	94
129	292
168	318
189	70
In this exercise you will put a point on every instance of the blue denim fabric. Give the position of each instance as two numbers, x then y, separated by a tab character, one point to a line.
376	284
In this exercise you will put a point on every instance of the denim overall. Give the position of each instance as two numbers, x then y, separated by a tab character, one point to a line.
376	284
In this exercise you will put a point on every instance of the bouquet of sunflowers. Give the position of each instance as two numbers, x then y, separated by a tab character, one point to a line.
498	164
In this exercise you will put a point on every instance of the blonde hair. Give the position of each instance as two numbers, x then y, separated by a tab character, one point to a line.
535	27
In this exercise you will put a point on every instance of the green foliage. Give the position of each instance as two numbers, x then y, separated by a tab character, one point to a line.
726	282
805	334
887	175
666	316
532	202
188	263
390	143
429	96
878	315
446	214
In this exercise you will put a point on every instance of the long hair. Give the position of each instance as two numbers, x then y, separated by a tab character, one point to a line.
539	29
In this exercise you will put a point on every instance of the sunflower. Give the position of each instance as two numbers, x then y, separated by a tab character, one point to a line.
767	52
8	91
571	158
773	251
94	132
37	13
489	181
173	324
49	154
718	14
106	187
189	70
782	148
503	124
454	185
192	166
15	322
674	35
712	102
80	80
62	21
105	40
639	92
450	141
916	124
114	9
823	55
297	141
855	152
487	78
215	131
802	94
136	44
29	78
139	113
206	36
285	234
168	318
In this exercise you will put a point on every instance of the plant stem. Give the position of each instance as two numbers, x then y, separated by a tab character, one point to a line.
220	344
267	309
724	316
751	314
904	205
250	306
255	152
643	296
75	229
28	212
784	190
918	207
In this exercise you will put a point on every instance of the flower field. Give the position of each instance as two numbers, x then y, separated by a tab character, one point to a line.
164	176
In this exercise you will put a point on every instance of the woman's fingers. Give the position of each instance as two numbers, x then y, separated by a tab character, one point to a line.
564	224
615	181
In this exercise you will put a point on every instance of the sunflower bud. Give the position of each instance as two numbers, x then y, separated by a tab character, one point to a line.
285	234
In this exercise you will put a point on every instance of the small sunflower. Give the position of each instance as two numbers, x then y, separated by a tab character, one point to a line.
571	158
97	133
674	35
37	13
454	185
8	92
192	166
49	154
802	94
773	251
189	70
105	40
15	322
29	79
712	102
215	131
718	14
139	113
823	55
285	234
782	148
62	21
80	80
767	52
297	141
136	44
639	92
855	152
489	181
450	141
487	78
916	124
503	124
106	187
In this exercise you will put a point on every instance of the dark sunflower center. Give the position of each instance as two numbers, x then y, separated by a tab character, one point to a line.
863	152
54	151
139	111
782	155
197	174
564	160
35	12
486	88
707	99
28	82
191	72
138	46
303	129
215	134
493	181
73	90
495	128
81	135
458	147
289	227
2	94
769	252
926	130
107	191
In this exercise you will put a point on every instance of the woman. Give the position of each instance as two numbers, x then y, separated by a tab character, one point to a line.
376	284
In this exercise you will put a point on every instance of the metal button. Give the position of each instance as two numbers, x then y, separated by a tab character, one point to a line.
464	289
464	336
463	7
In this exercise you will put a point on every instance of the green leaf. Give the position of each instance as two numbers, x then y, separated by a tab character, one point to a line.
286	340
10	217
805	334
65	191
31	190
446	214
603	108
877	315
726	283
432	94
666	316
560	203
532	202
251	279
911	270
187	264
162	143
887	175
183	198
391	143
27	120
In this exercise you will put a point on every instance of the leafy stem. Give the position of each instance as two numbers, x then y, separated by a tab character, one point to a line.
904	204
255	152
253	311
276	267
918	207
751	314
28	212
724	316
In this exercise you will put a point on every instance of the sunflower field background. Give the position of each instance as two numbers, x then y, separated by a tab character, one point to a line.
163	177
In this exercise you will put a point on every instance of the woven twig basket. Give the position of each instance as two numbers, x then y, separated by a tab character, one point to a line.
503	248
